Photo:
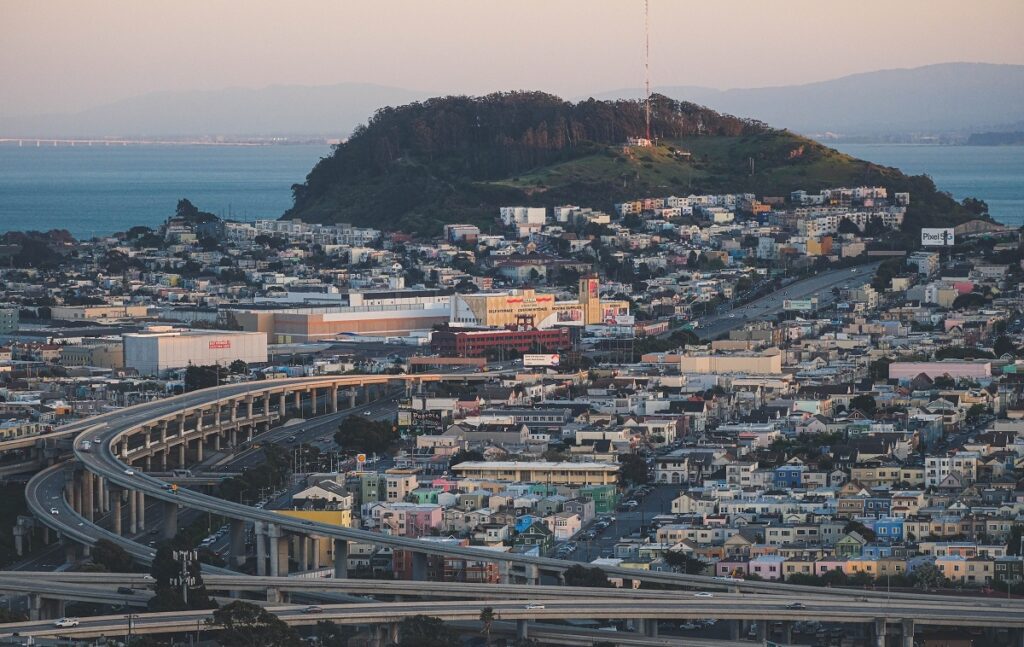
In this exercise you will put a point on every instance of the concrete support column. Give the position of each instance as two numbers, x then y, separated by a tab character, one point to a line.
282	404
522	630
393	636
734	629
312	403
216	414
163	460
880	632
762	630
298	403
199	449
273	595
315	543
367	395
236	545
266	406
274	546
181	453
261	549
87	495
141	507
116	496
199	419
333	408
351	399
234	437
170	527
77	503
248	407
300	552
533	574
70	551
233	411
34	605
148	462
163	433
787	632
340	558
133	513
216	442
504	574
100	487
908	632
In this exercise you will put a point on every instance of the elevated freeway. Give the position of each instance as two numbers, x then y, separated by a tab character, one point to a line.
111	472
725	607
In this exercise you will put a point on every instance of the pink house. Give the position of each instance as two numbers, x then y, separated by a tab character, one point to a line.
421	519
823	566
446	484
731	568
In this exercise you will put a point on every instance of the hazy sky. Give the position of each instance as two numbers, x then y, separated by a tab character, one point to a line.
66	55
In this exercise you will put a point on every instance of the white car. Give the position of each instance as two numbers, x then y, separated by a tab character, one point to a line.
130	472
704	594
66	622
54	511
534	606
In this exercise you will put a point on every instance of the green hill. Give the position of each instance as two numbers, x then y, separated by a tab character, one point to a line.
456	159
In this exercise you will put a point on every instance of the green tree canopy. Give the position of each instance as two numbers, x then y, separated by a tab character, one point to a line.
578	575
426	631
243	624
357	434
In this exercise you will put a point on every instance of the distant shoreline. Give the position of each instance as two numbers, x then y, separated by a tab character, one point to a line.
75	142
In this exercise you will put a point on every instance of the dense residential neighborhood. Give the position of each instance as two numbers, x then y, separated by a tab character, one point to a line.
740	386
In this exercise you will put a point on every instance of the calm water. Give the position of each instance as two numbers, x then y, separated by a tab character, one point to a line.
994	174
100	190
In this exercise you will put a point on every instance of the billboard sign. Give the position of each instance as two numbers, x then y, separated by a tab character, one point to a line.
538	359
937	237
800	305
220	344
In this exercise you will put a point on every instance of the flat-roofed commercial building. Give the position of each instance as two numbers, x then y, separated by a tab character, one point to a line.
540	472
768	362
162	348
85	313
390	312
99	354
954	369
505	309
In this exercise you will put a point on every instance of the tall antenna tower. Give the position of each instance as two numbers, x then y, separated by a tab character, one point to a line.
647	66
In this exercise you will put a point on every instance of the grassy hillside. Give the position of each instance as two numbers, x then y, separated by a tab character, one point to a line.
457	159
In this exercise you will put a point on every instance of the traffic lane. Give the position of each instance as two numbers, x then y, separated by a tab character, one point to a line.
820	286
627	522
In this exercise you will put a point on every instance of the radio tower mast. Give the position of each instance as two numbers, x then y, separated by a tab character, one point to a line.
647	66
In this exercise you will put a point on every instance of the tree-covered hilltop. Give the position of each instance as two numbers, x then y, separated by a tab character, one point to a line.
455	159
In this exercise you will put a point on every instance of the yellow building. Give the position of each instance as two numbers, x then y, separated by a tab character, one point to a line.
498	310
341	518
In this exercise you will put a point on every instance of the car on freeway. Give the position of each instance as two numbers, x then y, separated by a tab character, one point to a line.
534	606
97	440
54	511
125	590
66	622
313	609
796	606
704	594
130	472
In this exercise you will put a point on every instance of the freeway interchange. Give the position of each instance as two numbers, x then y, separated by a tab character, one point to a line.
154	431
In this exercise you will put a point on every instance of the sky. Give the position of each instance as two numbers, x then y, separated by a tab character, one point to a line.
69	55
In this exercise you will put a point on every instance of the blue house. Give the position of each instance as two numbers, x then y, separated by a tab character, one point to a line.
888	529
789	476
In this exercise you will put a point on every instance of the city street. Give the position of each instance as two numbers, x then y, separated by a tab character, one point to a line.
626	523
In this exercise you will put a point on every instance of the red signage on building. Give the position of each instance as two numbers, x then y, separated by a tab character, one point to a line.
220	343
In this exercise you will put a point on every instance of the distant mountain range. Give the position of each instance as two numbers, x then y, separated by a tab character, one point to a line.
950	99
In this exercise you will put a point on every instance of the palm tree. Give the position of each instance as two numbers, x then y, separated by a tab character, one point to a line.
487	617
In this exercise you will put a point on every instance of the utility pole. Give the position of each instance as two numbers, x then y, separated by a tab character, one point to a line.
185	558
